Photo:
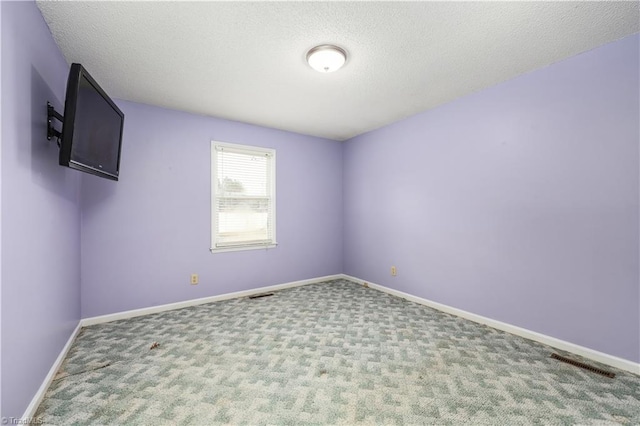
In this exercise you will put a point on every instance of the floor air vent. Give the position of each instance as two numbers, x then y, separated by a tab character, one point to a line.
583	365
259	296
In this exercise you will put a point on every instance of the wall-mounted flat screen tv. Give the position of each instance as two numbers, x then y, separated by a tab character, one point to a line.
92	127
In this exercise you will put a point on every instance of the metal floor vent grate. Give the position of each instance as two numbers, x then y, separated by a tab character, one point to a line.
583	365
259	296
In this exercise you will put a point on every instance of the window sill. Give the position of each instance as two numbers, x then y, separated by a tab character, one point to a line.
243	248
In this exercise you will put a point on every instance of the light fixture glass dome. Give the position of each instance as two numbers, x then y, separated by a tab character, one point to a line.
326	58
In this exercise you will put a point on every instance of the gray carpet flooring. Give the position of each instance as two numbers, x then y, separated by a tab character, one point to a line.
328	353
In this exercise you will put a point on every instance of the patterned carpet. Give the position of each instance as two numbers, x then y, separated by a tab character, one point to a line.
328	353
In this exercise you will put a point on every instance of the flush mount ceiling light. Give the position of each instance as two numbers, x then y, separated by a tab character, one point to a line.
326	58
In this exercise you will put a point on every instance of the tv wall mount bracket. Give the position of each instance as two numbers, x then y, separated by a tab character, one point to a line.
51	115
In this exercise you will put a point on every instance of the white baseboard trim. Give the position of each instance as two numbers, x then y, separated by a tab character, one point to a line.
601	357
30	412
611	360
194	302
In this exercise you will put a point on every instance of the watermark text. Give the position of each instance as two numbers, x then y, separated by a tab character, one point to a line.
25	421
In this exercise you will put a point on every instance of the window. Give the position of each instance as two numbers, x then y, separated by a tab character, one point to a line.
243	197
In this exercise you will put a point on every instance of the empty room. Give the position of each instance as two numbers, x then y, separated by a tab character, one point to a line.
320	213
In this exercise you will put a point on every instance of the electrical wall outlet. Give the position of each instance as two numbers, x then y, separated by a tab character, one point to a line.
194	279
394	271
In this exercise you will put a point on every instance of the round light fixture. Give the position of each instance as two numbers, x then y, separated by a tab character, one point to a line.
326	58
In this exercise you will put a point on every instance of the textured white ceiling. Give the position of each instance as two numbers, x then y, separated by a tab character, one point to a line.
245	61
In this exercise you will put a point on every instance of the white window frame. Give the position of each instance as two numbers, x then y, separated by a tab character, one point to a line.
245	149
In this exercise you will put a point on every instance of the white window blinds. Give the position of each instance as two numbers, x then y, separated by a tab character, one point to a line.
243	187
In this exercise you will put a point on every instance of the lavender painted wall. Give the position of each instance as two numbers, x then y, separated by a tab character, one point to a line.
518	203
40	211
143	236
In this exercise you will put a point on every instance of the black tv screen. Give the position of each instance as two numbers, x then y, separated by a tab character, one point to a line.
92	127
